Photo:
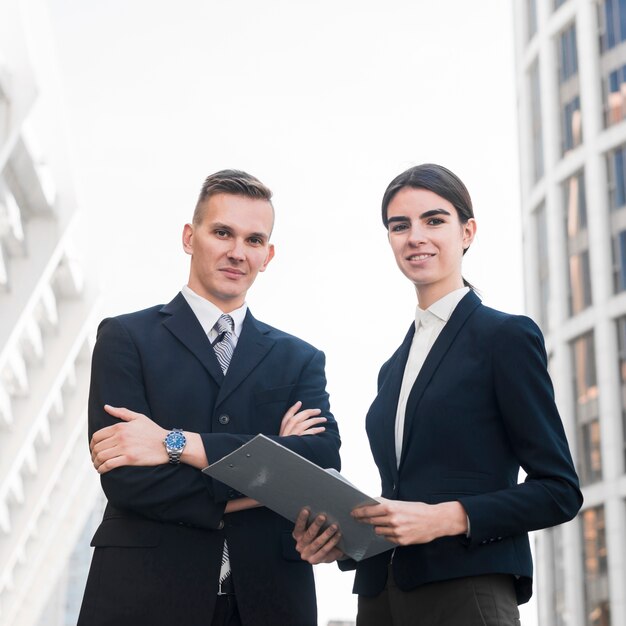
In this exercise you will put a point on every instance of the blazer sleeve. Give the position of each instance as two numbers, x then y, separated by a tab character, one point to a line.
550	494
322	449
169	493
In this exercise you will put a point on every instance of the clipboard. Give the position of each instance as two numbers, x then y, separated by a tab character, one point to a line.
286	482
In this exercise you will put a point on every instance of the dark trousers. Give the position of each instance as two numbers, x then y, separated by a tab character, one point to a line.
226	612
473	601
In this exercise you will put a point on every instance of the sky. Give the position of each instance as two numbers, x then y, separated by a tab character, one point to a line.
325	102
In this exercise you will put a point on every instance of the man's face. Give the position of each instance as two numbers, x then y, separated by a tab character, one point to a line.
229	248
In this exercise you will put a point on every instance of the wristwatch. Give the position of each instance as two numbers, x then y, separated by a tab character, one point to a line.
175	443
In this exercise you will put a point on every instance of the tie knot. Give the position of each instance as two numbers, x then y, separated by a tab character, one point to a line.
224	324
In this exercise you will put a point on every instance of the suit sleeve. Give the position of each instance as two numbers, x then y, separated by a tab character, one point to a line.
550	494
169	493
322	449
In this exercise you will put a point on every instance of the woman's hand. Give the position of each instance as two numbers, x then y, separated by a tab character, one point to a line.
302	423
314	544
406	523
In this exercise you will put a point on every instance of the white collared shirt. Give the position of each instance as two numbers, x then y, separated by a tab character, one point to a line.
428	325
208	314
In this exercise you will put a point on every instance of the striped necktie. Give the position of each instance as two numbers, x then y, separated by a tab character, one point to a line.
224	347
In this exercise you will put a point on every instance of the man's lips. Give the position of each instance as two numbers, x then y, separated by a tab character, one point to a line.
231	271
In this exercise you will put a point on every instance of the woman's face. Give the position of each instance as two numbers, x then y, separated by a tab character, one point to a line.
428	241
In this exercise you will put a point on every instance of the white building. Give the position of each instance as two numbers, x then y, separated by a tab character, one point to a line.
571	80
47	484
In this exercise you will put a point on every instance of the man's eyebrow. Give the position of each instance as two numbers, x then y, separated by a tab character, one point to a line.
259	235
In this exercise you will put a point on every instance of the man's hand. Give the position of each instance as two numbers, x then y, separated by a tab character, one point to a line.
136	440
406	523
302	423
314	544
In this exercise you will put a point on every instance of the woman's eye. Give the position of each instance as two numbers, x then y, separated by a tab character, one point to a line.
435	221
396	228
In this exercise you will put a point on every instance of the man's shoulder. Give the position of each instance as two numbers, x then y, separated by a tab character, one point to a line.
281	336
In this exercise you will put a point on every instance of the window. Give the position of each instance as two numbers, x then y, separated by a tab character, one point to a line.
617	177
536	126
597	605
569	90
531	19
619	261
612	20
543	265
568	57
586	409
621	345
615	96
575	210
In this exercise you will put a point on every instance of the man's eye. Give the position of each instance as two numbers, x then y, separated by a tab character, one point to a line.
221	233
256	241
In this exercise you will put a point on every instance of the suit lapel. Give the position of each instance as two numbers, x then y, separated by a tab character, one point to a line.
388	396
252	346
184	325
441	346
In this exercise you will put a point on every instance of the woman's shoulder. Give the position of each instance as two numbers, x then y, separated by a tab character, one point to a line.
509	324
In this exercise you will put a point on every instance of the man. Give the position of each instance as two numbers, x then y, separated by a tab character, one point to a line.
185	384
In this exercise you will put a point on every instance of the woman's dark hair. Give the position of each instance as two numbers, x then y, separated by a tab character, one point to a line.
439	180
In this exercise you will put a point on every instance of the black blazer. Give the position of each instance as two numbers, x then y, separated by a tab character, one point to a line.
482	407
158	549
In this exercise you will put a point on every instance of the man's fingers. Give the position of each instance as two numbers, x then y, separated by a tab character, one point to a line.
313	431
121	413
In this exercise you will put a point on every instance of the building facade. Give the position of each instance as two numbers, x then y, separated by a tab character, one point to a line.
571	86
47	328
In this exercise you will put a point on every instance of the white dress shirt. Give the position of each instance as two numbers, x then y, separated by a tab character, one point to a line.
428	324
208	314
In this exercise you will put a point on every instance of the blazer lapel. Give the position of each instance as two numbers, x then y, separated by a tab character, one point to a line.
184	325
252	346
458	318
388	396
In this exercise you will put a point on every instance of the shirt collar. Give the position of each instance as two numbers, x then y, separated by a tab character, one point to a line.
207	313
440	310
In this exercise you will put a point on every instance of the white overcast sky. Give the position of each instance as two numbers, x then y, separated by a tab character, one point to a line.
325	102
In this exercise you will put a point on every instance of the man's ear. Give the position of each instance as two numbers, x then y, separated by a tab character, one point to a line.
270	256
188	239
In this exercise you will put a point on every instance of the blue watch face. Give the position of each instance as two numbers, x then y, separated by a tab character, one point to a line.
175	441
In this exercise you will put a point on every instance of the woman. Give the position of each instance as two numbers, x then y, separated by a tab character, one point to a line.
463	403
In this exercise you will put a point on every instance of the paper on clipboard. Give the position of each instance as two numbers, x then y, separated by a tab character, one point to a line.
286	482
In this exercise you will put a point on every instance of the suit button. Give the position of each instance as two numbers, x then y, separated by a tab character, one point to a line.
223	419
220	526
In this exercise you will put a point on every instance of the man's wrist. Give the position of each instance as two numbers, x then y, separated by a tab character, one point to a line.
194	453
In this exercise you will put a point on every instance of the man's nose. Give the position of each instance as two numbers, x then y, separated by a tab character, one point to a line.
237	250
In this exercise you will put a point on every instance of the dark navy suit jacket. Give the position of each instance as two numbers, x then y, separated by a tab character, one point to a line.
158	549
482	407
